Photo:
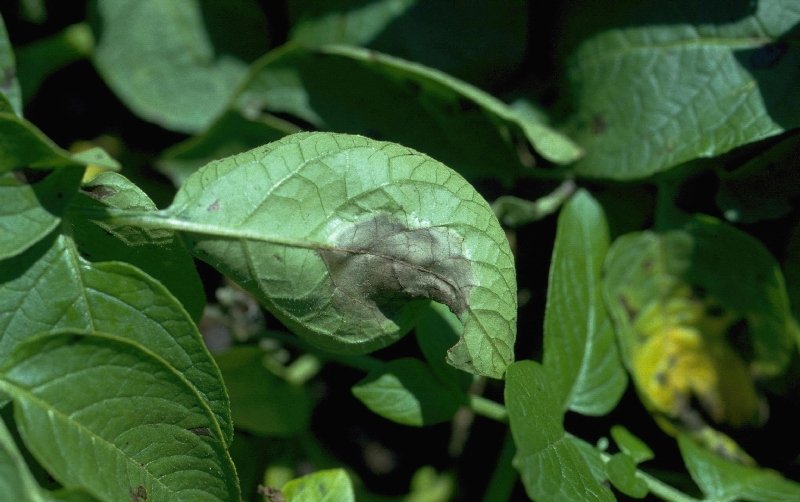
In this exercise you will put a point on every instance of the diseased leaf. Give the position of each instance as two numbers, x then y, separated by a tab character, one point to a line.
580	350
660	92
483	44
261	402
550	462
406	391
740	272
354	90
9	86
30	211
333	485
166	61
162	255
105	414
722	480
339	236
16	481
51	287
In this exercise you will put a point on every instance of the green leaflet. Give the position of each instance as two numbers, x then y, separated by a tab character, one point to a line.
51	287
406	391
552	464
261	402
464	127
16	481
159	254
482	44
333	485
23	145
337	234
9	86
141	431
669	89
722	480
580	350
230	134
173	63
30	211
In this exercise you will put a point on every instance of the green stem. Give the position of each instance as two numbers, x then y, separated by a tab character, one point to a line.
658	487
488	408
504	477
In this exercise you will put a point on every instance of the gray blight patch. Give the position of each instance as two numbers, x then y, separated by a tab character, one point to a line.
379	264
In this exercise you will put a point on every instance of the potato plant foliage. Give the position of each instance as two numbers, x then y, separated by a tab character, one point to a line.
298	251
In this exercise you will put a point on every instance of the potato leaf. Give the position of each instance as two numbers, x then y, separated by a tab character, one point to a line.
580	350
338	235
663	91
551	463
107	415
51	287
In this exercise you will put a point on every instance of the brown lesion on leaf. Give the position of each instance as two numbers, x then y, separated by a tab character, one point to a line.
138	494
99	192
201	431
379	264
214	206
599	124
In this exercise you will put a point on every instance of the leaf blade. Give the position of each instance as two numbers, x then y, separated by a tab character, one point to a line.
550	463
579	345
60	383
326	219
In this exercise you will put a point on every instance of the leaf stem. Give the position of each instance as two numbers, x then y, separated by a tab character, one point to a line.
488	408
504	477
162	220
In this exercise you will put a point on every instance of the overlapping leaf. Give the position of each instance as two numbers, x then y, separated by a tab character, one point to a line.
483	44
651	96
338	236
551	463
173	63
105	414
51	287
16	481
579	345
349	89
722	480
406	391
9	86
160	254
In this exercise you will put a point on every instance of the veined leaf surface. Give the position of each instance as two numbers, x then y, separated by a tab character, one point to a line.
580	349
338	234
109	416
51	287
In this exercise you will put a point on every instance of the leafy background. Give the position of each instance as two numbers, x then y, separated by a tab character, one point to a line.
657	109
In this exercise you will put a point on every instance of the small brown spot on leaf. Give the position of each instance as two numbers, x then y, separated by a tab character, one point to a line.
100	191
213	206
138	494
201	431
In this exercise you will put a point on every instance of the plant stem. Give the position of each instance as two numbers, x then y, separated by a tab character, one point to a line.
501	485
488	408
